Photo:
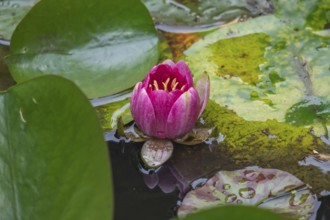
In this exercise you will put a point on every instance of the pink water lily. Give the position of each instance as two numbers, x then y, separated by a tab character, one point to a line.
166	104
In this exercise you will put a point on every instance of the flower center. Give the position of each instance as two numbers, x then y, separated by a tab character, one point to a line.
168	85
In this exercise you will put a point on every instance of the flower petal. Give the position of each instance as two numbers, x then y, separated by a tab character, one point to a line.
159	73
203	89
183	114
143	112
162	103
169	62
135	97
182	68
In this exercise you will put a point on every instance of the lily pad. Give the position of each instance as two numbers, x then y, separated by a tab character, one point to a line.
190	15
5	78
235	213
285	63
104	47
11	13
54	160
285	193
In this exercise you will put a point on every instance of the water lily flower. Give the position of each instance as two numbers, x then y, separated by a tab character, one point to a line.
166	104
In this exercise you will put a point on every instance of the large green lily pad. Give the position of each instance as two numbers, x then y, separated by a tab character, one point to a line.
54	161
267	188
103	46
5	78
11	13
267	66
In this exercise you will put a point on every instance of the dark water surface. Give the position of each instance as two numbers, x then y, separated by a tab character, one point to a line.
134	200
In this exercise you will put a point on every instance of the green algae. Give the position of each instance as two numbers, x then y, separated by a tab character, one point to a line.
268	144
319	18
240	56
110	113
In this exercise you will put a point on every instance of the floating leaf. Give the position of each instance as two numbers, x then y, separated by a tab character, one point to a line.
274	63
110	113
11	13
235	213
103	46
5	78
268	188
308	111
187	15
54	160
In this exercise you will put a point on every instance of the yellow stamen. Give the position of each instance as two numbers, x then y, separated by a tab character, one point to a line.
165	84
173	84
182	88
156	85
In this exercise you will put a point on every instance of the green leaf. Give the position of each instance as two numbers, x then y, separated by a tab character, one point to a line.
54	161
263	67
235	213
11	13
308	111
189	15
103	46
267	188
5	78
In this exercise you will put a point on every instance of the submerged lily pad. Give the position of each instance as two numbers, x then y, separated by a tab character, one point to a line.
54	161
103	46
268	188
179	15
11	13
309	111
235	213
285	64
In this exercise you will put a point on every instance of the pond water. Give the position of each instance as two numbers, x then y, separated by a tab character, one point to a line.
134	199
269	105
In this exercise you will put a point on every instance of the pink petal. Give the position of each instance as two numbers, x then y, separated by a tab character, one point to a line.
160	72
203	89
182	68
183	114
135	97
169	62
162	103
143	112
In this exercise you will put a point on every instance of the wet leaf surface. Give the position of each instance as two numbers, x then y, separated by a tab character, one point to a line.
268	188
235	213
11	13
53	157
285	63
5	78
190	15
90	43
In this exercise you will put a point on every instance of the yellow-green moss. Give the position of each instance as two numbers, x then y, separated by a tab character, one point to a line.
319	19
241	56
268	144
